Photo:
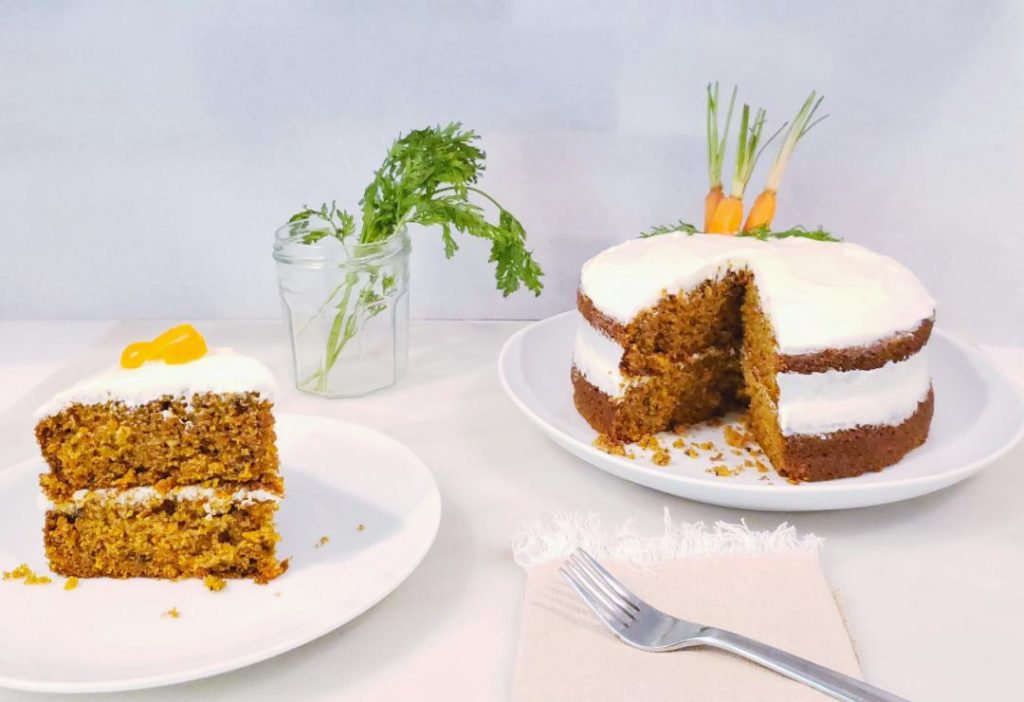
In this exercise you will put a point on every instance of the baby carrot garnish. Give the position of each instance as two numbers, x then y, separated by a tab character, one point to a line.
763	210
716	150
729	212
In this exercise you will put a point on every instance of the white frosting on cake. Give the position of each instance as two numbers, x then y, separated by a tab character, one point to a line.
821	403
220	371
817	295
219	500
597	357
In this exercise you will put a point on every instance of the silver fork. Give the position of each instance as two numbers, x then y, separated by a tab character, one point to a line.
640	625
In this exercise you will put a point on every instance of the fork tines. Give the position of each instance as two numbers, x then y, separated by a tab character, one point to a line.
607	597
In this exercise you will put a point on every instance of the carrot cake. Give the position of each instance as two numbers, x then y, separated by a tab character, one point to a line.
824	341
164	466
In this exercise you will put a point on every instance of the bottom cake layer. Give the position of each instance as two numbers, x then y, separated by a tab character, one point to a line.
804	457
686	393
840	454
106	535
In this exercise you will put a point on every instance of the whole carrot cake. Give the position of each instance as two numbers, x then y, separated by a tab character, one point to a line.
164	466
824	341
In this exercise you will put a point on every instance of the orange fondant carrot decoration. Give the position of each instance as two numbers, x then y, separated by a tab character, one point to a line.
716	150
763	210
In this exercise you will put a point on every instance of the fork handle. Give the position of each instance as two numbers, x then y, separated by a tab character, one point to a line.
831	682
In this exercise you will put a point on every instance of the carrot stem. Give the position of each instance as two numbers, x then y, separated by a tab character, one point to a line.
715	143
803	122
747	151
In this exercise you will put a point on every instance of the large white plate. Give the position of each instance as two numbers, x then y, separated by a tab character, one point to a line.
978	417
111	635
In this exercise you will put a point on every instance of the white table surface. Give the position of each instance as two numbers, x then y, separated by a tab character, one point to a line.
932	588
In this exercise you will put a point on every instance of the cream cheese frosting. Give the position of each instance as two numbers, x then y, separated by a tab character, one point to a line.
220	371
817	295
217	498
598	358
821	403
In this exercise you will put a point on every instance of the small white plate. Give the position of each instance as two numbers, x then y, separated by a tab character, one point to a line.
979	416
113	635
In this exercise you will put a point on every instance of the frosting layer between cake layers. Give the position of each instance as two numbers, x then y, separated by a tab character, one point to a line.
809	403
220	371
218	498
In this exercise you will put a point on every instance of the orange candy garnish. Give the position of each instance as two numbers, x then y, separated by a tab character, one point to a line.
134	355
177	345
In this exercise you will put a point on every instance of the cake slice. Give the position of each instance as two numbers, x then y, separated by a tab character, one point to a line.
164	466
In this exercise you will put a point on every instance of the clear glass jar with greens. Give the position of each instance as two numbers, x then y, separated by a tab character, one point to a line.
344	285
347	309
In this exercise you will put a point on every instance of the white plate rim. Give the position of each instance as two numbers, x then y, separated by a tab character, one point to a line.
947	478
302	637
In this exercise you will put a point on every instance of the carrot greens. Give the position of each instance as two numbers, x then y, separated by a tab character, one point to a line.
428	177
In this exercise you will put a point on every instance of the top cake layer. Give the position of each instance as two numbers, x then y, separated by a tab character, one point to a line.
220	371
816	295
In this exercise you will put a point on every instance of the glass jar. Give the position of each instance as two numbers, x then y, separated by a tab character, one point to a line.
347	308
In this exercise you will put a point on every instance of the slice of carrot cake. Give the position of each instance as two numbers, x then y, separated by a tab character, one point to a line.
164	466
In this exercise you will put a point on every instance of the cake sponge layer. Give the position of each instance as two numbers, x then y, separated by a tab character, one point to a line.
206	439
706	386
163	538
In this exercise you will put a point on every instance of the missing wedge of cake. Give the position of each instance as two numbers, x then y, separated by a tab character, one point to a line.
824	341
164	466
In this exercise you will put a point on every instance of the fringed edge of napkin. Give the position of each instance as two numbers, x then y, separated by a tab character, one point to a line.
542	541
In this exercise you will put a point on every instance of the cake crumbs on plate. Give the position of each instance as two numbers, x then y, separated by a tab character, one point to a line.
735	437
172	613
612	447
722	471
26	575
71	583
214	584
360	527
322	541
649	442
660	456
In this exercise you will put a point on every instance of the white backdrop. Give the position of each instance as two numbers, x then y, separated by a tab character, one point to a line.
148	150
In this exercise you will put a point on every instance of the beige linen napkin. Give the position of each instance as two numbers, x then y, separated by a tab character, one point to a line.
766	585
